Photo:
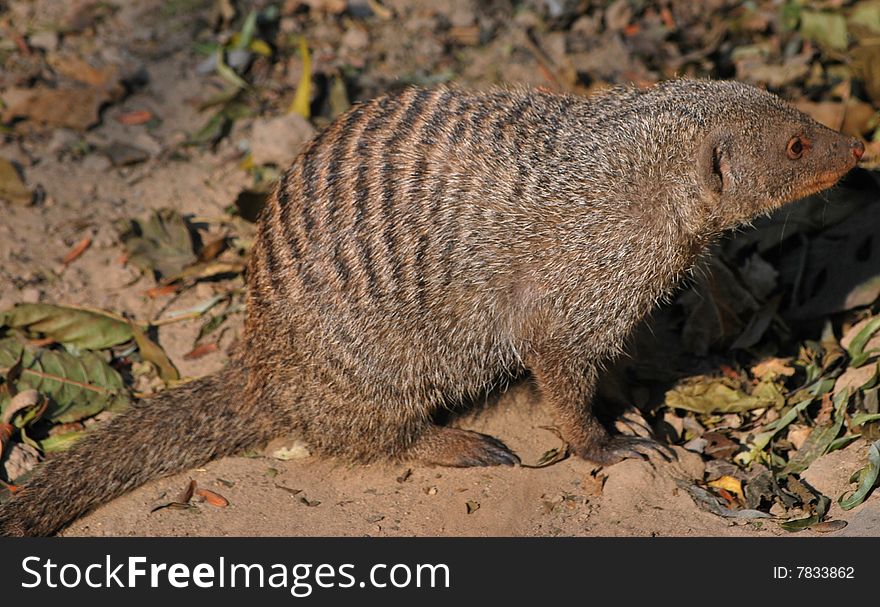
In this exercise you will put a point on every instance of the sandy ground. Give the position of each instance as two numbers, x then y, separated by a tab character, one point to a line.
311	496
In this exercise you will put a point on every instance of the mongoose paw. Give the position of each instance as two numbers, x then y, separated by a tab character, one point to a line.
456	448
487	451
619	448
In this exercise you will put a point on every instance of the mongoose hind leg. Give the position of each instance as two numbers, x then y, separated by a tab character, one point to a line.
357	424
569	387
442	446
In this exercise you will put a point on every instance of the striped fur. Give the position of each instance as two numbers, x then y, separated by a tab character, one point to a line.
429	246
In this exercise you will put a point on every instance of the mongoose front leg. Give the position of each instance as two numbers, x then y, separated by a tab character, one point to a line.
569	386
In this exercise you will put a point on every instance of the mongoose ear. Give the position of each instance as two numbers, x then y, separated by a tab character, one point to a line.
719	168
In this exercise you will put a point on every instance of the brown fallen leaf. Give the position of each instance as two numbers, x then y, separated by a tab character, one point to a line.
9	486
472	506
161	291
718	446
19	41
77	68
730	486
206	270
181	501
12	187
135	117
468	35
859	116
828	526
73	108
77	250
770	368
201	350
6	432
23	400
380	11
211	250
866	65
187	493
829	113
854	378
214	499
153	352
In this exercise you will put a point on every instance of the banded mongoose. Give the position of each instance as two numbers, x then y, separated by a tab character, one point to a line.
428	244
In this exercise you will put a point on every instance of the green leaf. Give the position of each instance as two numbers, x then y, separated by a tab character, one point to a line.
60	442
228	74
260	47
860	419
857	345
790	14
162	243
828	29
866	15
12	188
762	439
213	323
78	386
152	352
80	328
867	479
247	31
818	442
803	523
843	441
721	395
302	100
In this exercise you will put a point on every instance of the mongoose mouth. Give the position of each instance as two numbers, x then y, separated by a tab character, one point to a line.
828	178
822	182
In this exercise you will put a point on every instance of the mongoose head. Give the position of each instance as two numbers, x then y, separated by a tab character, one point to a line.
762	153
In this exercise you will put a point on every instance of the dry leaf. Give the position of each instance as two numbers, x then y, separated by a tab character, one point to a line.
829	113
773	367
21	401
77	250
201	350
74	108
135	117
212	498
731	484
12	187
76	68
854	378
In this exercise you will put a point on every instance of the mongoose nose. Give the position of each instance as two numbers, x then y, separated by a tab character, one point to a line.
858	149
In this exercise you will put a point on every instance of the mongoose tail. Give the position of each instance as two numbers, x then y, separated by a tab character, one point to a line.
147	441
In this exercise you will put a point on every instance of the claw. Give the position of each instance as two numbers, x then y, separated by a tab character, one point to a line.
619	448
463	449
493	453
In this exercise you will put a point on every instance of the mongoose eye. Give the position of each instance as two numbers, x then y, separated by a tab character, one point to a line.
795	148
